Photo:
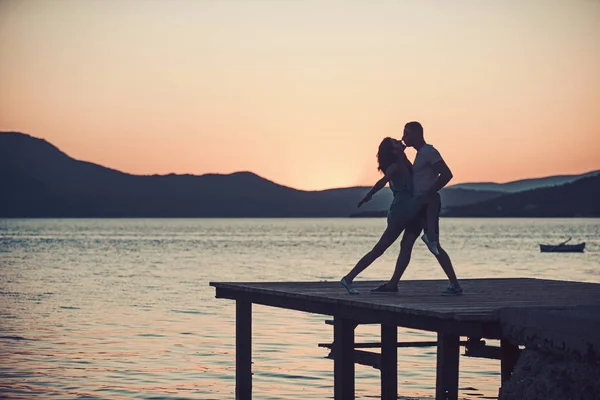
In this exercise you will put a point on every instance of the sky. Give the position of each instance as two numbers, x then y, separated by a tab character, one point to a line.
302	92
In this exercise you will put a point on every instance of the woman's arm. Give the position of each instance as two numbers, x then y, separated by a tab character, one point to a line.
389	172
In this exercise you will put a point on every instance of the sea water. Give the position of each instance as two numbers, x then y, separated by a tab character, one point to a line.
121	308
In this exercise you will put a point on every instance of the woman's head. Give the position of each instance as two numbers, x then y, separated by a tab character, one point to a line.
390	151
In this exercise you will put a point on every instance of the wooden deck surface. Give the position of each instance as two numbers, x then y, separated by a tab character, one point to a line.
419	304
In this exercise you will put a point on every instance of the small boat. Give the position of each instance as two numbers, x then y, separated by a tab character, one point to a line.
563	247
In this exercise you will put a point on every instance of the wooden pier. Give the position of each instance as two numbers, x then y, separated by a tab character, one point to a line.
418	305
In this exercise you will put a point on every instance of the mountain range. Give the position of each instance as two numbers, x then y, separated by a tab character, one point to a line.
525	184
578	198
39	180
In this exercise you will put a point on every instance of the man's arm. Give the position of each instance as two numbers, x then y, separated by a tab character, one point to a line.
445	175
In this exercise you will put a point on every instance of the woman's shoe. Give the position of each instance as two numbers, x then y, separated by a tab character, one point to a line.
348	286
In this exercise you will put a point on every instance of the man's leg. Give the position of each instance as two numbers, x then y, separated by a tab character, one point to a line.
443	258
446	264
432	212
406	245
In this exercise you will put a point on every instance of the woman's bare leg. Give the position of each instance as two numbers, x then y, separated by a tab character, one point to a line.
388	237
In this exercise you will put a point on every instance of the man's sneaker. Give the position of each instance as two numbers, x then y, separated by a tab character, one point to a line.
433	246
385	288
349	286
453	290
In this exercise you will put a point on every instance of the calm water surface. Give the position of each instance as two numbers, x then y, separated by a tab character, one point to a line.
115	309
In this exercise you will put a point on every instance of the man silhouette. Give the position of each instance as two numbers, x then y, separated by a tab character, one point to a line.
431	174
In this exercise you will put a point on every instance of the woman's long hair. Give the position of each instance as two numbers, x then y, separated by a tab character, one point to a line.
386	156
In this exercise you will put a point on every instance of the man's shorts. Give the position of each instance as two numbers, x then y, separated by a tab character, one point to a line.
419	223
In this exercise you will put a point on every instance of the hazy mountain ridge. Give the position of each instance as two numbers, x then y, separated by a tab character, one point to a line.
580	198
525	184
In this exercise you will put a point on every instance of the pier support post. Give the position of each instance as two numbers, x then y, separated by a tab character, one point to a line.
343	358
509	354
243	350
446	387
389	362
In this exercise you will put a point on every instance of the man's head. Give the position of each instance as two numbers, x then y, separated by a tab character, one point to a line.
413	134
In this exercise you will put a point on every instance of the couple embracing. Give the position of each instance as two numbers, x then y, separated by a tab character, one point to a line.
416	206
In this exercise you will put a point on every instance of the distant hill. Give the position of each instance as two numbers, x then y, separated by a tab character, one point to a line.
580	198
39	180
524	184
452	197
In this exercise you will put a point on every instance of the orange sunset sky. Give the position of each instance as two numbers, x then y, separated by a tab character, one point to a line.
301	92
